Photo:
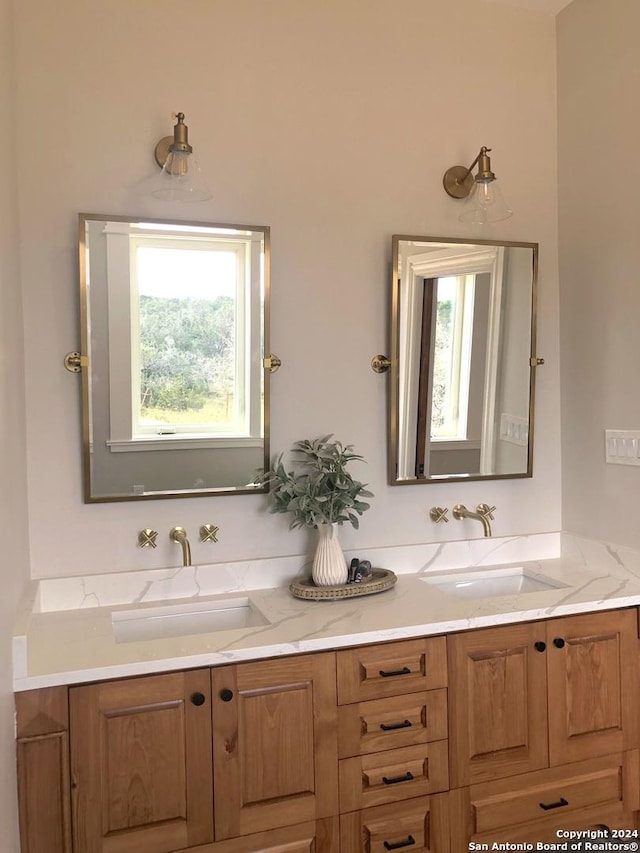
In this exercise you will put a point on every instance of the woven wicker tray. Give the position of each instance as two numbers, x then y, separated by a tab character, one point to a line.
381	579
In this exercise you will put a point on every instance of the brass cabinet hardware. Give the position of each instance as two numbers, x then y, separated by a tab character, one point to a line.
536	362
380	363
209	533
272	363
147	538
438	513
74	362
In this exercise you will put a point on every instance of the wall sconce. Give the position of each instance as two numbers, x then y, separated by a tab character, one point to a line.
180	179
484	202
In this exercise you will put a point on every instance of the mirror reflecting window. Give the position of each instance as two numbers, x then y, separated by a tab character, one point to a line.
175	395
463	340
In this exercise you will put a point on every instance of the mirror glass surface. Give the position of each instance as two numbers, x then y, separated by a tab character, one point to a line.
174	326
462	341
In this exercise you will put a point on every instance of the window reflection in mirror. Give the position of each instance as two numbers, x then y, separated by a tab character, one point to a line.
463	326
175	391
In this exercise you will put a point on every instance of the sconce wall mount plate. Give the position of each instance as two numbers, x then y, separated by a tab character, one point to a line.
458	181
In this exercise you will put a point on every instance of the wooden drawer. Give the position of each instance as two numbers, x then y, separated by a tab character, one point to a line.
391	669
397	774
598	791
419	826
392	723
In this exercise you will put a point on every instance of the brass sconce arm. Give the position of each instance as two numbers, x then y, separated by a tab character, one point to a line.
458	181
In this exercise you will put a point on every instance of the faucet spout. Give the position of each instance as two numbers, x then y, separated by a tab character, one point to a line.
179	535
482	515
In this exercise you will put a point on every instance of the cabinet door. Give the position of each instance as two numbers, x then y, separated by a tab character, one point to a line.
141	764
274	744
592	663
497	702
321	836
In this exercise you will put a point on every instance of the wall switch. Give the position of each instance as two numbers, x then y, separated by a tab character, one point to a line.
622	446
513	429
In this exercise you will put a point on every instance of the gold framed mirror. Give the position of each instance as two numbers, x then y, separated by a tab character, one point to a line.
175	329
462	377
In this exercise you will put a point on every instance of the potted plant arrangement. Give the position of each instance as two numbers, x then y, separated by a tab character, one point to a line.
320	492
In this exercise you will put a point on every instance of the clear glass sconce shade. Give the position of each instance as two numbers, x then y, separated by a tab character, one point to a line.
180	179
485	204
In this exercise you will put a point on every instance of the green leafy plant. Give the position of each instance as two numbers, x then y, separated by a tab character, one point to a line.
319	489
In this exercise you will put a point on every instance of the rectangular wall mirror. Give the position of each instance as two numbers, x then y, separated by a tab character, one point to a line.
174	334
463	330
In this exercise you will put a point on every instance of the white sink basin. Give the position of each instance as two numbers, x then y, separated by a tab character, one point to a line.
179	620
492	583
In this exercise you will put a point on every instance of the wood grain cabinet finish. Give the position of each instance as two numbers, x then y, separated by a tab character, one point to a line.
602	791
420	825
391	669
275	753
592	663
141	764
525	697
321	836
42	753
391	723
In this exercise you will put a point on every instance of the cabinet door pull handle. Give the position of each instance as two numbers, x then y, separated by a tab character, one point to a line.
408	776
390	673
389	727
409	840
561	802
558	643
198	699
226	695
540	646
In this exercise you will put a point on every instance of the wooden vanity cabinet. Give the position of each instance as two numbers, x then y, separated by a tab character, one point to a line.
504	733
599	792
42	756
393	747
141	763
528	696
275	755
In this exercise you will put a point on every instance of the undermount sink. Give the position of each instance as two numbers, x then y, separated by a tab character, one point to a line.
492	583
179	620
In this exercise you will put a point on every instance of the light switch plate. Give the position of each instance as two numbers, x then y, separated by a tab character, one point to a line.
622	446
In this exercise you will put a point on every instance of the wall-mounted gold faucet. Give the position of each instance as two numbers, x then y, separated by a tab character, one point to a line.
179	535
483	513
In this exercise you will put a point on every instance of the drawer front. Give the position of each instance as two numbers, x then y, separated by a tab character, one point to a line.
418	826
391	669
603	785
394	775
392	723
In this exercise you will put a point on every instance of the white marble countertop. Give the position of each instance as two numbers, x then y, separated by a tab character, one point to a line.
69	646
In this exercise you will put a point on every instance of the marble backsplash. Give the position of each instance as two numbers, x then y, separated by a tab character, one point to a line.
134	587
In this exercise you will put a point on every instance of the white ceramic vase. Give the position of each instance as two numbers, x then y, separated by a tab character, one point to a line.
329	563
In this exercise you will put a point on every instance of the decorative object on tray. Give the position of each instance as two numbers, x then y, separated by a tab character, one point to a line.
319	492
378	581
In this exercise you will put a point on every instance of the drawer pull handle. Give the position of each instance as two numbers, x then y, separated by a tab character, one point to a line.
559	643
389	727
409	840
408	776
389	674
561	802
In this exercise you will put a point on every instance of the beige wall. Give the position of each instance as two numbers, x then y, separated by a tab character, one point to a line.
599	178
13	516
331	122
